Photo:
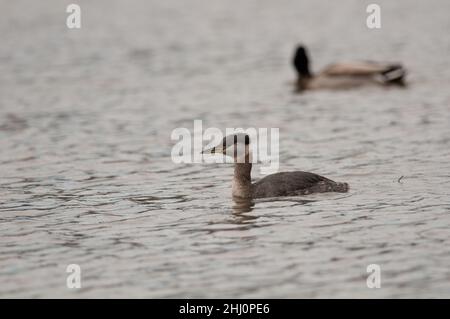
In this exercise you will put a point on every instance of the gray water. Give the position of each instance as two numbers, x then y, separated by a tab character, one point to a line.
86	175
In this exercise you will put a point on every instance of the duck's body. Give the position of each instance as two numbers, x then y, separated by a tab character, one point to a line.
346	75
281	184
294	184
275	185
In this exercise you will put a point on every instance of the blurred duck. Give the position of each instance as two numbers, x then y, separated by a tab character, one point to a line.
296	183
346	75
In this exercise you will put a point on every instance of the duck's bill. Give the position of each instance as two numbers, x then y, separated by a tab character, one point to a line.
213	150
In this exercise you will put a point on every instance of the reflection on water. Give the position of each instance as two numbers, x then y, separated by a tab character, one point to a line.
242	205
85	171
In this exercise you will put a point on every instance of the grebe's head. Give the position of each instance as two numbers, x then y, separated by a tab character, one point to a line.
235	145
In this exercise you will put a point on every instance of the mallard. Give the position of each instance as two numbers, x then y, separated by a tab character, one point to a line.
346	75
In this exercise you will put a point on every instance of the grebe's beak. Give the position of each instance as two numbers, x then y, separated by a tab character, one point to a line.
213	150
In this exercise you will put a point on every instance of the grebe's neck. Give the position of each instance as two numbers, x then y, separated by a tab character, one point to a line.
242	180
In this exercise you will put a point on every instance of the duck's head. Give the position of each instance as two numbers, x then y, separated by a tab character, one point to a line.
301	62
235	145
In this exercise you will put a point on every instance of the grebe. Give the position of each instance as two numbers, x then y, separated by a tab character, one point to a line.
295	183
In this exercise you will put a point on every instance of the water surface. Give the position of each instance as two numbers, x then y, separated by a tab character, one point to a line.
85	170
